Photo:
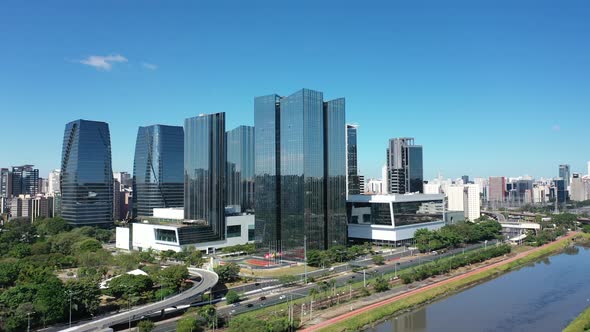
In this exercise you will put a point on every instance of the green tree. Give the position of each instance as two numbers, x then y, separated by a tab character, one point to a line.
188	323
85	295
228	272
132	285
88	245
146	326
232	297
208	315
51	226
50	301
173	276
381	285
378	260
9	271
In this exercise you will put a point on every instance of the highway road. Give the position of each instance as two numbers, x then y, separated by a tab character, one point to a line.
207	280
281	295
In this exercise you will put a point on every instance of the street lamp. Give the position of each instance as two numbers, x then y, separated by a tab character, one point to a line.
29	320
70	295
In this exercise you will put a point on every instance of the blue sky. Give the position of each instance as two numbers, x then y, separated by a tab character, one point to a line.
487	87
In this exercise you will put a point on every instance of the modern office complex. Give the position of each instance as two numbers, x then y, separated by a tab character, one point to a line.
353	180
86	174
496	189
204	175
158	168
240	169
393	219
404	166
5	182
564	173
300	172
25	180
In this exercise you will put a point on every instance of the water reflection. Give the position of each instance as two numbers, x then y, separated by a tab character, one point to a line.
544	296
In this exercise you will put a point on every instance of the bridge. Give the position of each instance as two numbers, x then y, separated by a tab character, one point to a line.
208	280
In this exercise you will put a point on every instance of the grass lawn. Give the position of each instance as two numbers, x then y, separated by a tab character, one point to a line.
298	269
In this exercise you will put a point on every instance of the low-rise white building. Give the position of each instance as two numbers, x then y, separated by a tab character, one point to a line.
393	219
169	235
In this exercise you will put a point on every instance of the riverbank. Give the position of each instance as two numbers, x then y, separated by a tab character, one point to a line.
358	319
581	323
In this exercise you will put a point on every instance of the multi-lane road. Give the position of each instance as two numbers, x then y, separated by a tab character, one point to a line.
207	280
282	295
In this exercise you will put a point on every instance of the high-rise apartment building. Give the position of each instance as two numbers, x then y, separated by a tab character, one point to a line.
5	183
158	169
300	172
240	169
86	174
404	166
53	181
579	188
564	173
455	200
25	180
496	189
204	175
353	180
471	202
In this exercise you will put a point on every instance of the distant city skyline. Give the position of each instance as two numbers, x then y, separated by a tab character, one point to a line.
487	90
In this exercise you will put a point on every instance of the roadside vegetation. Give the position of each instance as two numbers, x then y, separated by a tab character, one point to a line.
461	233
45	264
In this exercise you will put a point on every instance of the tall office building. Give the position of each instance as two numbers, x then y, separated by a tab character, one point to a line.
564	173
204	175
353	181
496	189
300	172
240	168
578	190
86	182
465	179
158	169
5	183
25	180
404	166
53	181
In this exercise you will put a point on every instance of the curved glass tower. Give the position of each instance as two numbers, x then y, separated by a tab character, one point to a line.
158	169
204	175
86	174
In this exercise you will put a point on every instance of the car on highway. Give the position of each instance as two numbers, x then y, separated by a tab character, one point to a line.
282	297
262	298
249	305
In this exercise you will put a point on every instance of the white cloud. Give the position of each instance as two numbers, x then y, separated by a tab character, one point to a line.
149	66
103	62
556	127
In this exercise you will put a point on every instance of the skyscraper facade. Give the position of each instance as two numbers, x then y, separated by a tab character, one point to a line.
564	173
25	180
404	166
497	189
300	172
204	175
267	170
5	183
353	180
240	168
86	182
158	169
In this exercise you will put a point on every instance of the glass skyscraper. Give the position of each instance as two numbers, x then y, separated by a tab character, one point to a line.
240	168
204	175
354	185
404	166
25	180
564	173
158	168
267	169
300	172
86	174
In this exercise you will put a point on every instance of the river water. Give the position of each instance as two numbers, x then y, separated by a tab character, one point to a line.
544	296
